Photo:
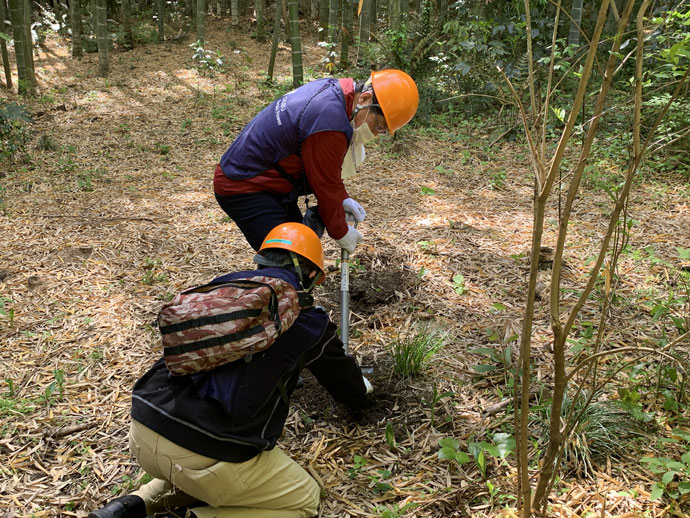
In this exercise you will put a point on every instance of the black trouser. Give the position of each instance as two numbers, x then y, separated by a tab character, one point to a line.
257	213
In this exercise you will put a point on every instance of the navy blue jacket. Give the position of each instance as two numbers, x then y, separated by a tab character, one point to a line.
239	409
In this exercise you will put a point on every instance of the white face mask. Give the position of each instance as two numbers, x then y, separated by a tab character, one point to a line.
356	154
362	134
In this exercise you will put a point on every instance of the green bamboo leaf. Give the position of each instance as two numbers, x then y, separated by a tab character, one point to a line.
484	368
481	462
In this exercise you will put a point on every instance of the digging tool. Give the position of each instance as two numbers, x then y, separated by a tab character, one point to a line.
345	306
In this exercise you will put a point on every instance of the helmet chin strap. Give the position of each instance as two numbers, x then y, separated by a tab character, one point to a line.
298	269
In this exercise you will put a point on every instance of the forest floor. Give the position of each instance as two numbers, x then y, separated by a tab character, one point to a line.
111	212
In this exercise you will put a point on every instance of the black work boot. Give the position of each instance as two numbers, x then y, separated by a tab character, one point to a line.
129	506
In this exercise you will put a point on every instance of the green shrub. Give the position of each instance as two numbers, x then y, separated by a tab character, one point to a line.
13	135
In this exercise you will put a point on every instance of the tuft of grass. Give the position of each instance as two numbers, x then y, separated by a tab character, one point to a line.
604	430
413	351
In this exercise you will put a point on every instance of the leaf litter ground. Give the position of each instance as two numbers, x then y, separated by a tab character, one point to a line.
114	212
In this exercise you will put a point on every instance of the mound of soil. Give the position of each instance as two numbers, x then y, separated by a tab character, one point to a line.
375	280
385	404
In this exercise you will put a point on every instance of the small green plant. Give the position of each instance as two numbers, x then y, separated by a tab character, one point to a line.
427	246
359	463
436	398
150	272
444	171
413	351
7	311
500	447
675	474
353	264
378	481
13	132
162	149
390	436
58	384
459	284
47	143
84	182
10	387
499	358
426	191
495	495
396	511
12	406
497	180
207	61
450	451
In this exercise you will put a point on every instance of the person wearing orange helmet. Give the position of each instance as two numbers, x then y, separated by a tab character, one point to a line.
208	440
306	142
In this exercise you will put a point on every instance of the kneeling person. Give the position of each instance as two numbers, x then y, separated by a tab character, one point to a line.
209	439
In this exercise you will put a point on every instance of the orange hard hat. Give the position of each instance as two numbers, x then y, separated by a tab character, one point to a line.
297	238
397	95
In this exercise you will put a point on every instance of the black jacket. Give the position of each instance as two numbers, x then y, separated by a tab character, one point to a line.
239	409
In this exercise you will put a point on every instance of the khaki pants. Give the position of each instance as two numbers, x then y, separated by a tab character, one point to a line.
271	485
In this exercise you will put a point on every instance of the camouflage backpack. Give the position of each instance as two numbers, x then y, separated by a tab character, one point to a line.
211	325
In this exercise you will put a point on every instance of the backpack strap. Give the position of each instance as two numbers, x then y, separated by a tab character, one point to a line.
306	300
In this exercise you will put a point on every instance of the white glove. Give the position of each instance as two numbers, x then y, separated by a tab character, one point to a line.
368	385
350	240
354	210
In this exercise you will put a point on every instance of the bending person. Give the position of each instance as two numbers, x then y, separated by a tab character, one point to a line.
209	439
306	142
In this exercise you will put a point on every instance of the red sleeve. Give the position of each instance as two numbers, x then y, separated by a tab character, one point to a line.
323	155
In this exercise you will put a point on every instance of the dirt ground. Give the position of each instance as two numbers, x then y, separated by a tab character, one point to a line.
113	212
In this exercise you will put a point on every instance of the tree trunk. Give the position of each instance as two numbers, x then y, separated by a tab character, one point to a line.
200	19
394	14
373	16
259	9
3	46
365	22
126	23
286	17
28	46
234	12
443	13
347	34
323	20
575	21
314	9
75	9
276	38
296	44
102	39
160	8
17	16
332	33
